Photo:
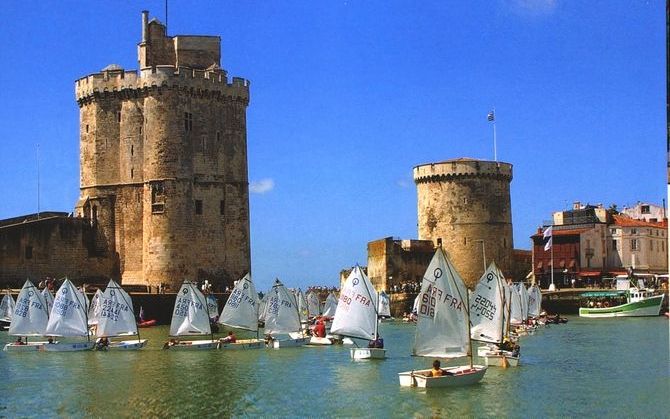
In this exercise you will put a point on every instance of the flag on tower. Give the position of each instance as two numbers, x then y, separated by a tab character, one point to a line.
548	232
492	116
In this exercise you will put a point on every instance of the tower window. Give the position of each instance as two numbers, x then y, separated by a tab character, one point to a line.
132	172
222	207
86	127
118	116
198	206
132	150
188	121
157	198
29	252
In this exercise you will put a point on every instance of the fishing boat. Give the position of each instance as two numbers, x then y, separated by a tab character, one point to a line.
443	327
7	306
30	318
69	318
626	301
190	317
282	320
357	315
115	318
487	317
241	312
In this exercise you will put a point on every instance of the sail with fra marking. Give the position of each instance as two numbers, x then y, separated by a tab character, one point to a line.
441	329
281	312
486	307
30	316
116	316
356	314
190	316
68	314
241	309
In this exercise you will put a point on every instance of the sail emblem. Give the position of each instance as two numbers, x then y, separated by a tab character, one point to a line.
437	273
64	290
31	293
355	281
112	293
185	291
246	286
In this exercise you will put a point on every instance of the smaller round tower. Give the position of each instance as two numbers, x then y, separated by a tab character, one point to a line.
464	205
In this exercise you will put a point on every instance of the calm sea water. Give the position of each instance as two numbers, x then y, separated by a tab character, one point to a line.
608	367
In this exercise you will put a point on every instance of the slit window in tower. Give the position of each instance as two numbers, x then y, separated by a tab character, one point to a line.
188	121
198	206
157	198
222	207
118	116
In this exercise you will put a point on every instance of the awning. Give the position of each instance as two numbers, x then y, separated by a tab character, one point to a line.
590	273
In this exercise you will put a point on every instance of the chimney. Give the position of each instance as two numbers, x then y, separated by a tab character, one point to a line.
145	25
576	205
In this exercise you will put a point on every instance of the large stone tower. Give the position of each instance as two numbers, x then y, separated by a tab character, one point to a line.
164	162
464	204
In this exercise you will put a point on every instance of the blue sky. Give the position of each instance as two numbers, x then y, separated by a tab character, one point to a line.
347	97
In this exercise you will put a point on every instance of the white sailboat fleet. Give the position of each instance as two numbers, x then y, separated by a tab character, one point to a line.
241	312
69	318
190	317
115	317
282	319
443	328
357	314
7	306
30	318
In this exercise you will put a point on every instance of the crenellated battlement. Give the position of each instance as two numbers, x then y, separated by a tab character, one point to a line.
462	168
118	80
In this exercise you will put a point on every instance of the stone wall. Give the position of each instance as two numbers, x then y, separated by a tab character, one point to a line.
394	263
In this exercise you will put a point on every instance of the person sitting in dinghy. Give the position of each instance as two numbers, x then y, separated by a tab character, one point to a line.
19	341
437	371
230	338
378	342
320	329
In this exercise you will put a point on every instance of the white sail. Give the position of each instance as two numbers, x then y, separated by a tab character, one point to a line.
313	305
262	305
523	294
212	306
534	301
116	315
415	305
241	309
94	309
30	316
442	324
384	308
356	314
486	307
7	306
516	315
281	313
302	306
48	298
68	314
507	298
330	307
190	316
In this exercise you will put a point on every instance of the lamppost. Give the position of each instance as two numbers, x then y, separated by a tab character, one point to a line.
483	252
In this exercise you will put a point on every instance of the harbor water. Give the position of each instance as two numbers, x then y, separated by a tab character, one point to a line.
587	367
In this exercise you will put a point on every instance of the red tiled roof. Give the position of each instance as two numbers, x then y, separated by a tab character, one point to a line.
625	221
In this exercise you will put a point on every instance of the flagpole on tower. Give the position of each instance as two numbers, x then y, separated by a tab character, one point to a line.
549	232
492	118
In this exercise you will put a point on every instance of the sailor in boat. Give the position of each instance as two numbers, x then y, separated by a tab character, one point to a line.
320	329
231	338
19	341
170	343
102	344
377	342
50	340
437	371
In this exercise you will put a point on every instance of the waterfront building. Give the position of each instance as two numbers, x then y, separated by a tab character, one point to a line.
163	179
591	243
645	211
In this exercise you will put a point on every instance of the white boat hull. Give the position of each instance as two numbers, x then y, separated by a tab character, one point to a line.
368	353
29	347
127	345
193	345
315	341
460	376
242	344
499	360
288	343
69	347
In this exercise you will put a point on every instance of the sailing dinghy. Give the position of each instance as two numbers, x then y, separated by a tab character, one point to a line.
116	317
48	298
282	318
443	327
69	318
357	316
190	317
7	306
241	312
30	318
487	317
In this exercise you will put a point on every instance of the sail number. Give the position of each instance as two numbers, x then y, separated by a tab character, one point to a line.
484	307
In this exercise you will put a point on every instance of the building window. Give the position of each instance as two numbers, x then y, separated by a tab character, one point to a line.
651	244
29	252
222	207
203	144
157	198
188	121
614	246
198	206
86	127
132	172
140	129
633	244
218	138
633	231
118	116
439	241
132	150
645	209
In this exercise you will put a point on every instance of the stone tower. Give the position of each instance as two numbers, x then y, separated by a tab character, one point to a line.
464	204
164	162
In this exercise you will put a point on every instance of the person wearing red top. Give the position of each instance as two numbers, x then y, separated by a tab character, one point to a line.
320	329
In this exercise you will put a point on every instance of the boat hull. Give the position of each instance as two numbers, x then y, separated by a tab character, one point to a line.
69	347
288	343
501	360
29	347
127	345
315	341
242	345
461	376
193	345
368	353
648	307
